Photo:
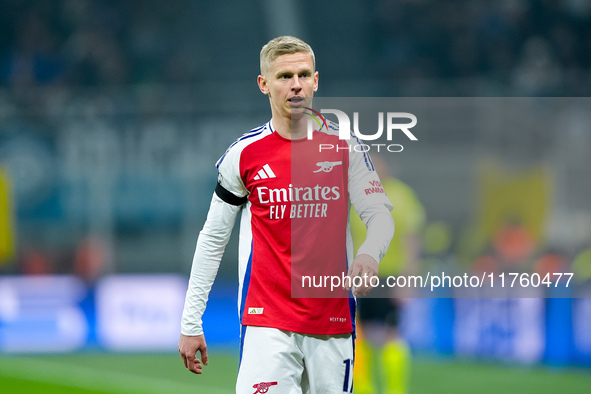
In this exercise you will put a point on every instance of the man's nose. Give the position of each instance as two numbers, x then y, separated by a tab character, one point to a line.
296	83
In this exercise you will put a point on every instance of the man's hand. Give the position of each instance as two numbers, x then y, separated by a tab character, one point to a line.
188	347
364	266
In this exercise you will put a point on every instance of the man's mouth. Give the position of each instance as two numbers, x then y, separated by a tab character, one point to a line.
296	100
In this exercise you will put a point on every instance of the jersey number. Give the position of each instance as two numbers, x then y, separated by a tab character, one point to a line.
348	383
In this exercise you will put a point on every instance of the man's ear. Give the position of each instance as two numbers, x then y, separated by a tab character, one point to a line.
316	81
262	82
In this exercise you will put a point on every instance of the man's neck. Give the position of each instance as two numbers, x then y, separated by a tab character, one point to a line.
292	131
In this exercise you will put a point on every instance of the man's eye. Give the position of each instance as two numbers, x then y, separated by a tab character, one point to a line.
285	77
304	75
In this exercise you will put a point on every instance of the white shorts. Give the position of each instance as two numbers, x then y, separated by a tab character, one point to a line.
284	362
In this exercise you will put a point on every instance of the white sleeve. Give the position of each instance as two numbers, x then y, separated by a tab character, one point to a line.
380	230
229	172
210	247
371	203
227	201
365	188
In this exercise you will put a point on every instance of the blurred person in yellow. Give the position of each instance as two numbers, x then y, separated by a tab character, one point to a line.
6	219
382	357
581	266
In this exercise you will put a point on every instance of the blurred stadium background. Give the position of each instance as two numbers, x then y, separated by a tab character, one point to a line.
113	113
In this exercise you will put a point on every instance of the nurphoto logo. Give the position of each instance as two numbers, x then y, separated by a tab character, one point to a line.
346	132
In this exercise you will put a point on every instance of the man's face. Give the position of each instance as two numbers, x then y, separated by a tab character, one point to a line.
290	83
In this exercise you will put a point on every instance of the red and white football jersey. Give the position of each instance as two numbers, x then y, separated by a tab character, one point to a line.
294	223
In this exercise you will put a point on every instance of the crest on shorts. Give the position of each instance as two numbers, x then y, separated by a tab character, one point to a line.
263	387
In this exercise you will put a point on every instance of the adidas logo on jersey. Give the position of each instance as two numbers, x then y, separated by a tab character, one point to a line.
255	311
264	173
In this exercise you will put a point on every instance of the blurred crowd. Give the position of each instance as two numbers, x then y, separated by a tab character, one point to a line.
536	47
88	43
532	47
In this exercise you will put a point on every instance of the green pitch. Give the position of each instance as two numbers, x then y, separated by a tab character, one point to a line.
114	373
165	373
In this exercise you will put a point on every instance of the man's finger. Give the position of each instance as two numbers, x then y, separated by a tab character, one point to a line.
359	289
358	292
366	284
364	290
191	363
353	272
195	365
204	356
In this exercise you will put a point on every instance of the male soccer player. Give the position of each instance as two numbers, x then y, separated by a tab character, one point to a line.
294	202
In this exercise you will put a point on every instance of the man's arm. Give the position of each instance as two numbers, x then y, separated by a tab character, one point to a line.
380	230
210	247
373	206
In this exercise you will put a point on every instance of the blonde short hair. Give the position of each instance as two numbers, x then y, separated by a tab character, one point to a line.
283	45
